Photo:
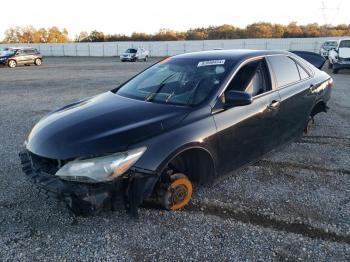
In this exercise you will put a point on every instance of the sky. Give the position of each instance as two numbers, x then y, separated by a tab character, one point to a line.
126	17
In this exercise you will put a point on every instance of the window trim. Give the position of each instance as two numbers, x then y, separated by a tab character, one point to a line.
300	68
271	71
250	60
268	74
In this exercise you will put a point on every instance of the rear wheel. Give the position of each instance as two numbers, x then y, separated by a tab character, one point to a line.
178	192
146	58
37	62
12	63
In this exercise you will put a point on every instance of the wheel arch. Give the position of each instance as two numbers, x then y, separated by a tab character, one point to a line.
11	59
319	106
194	161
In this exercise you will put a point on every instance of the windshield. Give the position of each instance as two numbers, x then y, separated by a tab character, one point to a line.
7	51
180	81
131	50
331	43
344	43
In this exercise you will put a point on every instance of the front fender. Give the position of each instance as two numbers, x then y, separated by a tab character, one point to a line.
192	133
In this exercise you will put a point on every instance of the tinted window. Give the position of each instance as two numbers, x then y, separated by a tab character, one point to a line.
252	78
285	69
181	81
344	43
302	72
131	50
28	51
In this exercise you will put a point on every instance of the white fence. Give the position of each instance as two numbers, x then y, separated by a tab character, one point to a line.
168	48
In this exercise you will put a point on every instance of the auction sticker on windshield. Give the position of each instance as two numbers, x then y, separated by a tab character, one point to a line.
211	62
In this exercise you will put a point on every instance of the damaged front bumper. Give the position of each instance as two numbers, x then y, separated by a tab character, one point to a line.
127	192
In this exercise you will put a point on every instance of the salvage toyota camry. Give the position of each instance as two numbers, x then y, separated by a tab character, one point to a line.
190	118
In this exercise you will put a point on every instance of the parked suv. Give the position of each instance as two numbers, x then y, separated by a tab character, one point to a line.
20	56
134	54
339	57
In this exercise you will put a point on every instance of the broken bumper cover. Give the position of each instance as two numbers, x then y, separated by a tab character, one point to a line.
84	198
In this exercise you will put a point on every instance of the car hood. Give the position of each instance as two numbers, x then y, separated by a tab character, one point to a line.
106	123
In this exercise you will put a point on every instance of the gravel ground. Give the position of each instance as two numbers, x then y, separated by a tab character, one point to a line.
292	205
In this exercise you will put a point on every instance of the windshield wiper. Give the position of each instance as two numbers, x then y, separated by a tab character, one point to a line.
152	95
193	92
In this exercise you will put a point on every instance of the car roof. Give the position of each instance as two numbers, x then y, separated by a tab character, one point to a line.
235	54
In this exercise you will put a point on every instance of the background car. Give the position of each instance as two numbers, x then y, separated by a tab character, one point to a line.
135	54
20	56
326	46
339	57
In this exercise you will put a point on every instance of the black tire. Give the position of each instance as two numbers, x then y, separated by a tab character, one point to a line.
12	63
335	71
38	62
146	58
135	59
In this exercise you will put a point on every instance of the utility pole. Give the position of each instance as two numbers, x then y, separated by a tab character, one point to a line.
325	11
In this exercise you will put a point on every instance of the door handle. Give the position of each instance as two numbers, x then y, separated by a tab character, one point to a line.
274	105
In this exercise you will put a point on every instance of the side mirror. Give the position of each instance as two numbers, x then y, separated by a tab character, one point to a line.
237	98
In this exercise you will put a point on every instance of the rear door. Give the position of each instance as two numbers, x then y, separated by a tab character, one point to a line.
294	84
30	55
245	133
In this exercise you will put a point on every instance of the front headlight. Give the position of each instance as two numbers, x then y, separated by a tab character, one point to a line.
100	169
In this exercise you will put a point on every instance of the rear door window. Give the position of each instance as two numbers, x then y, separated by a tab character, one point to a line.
286	71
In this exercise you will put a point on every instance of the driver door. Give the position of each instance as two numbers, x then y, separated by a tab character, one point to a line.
21	57
247	132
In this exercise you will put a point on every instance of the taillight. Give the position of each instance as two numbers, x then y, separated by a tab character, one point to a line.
331	82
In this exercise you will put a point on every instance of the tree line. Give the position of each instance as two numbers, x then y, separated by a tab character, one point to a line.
30	34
